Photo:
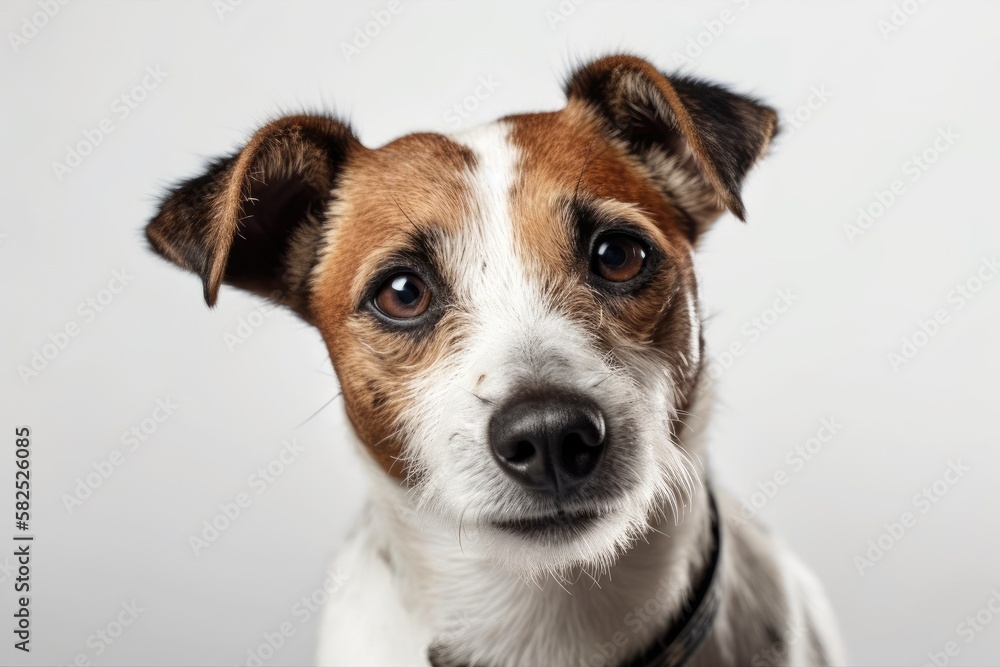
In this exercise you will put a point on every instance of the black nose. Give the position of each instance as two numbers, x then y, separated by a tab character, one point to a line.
548	442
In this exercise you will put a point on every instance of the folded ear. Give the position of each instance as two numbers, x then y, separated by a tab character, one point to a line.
254	219
698	140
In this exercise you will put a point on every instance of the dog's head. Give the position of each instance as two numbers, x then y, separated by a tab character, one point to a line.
511	312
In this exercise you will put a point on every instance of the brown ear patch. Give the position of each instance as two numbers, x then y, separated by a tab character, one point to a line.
246	221
698	139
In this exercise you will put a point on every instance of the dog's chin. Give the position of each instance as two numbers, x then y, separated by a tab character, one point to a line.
559	543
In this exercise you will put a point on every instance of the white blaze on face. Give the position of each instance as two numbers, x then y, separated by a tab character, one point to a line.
512	333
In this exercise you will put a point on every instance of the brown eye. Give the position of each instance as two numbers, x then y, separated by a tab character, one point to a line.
403	296
618	257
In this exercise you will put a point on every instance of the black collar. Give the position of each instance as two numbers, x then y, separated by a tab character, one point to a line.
686	635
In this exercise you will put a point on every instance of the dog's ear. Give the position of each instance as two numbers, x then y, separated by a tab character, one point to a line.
698	140
254	219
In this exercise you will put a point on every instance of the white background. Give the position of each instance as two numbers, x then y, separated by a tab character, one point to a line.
888	98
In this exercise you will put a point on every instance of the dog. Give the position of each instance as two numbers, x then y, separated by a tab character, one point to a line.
512	313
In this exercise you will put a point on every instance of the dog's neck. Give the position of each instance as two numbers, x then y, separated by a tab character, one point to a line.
479	614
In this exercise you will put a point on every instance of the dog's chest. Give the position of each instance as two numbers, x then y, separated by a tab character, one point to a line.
483	616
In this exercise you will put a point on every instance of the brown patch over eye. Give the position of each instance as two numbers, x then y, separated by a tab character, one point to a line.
618	257
403	296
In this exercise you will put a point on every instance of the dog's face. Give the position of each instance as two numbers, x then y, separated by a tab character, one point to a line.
512	312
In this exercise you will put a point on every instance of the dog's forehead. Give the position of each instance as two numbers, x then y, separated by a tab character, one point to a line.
521	168
418	179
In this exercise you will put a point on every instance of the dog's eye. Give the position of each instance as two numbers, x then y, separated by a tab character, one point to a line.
618	257
403	296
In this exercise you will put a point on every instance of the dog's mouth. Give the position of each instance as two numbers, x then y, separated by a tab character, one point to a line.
562	523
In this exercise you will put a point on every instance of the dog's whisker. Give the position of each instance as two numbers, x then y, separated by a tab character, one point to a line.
321	408
461	518
592	578
477	396
555	576
412	224
395	460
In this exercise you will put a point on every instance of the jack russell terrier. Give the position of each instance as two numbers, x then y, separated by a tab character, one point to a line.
513	316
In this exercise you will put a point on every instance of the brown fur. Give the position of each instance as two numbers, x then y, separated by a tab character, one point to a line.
414	184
